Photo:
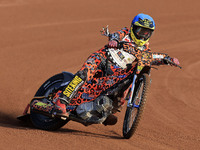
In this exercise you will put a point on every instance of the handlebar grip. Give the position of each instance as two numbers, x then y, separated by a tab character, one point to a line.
171	62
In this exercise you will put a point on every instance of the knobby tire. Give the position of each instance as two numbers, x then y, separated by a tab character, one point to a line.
128	132
44	122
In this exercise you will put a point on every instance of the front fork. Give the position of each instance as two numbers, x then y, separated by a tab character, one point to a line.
130	103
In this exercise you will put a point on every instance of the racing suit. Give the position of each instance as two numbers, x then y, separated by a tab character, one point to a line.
104	68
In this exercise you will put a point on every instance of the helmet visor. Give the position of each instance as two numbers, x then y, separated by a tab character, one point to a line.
142	33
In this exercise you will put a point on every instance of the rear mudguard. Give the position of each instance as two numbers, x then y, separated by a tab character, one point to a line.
66	77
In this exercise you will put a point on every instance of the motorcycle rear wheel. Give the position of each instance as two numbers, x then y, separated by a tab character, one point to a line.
41	121
133	114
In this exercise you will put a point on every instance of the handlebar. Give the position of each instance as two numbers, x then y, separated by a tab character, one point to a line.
171	62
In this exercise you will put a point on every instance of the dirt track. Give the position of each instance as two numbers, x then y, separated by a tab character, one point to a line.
40	38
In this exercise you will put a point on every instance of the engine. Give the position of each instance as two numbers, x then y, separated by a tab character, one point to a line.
95	111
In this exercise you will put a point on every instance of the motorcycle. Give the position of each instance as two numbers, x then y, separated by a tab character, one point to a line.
41	105
134	90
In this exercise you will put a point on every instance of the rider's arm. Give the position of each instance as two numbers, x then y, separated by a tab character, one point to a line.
119	35
159	58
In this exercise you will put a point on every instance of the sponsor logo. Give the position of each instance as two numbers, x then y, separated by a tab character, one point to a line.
158	56
121	56
41	106
146	22
72	86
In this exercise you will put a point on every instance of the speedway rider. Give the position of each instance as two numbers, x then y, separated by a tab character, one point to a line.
102	70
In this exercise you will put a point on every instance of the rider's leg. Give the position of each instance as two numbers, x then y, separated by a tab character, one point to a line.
68	93
84	74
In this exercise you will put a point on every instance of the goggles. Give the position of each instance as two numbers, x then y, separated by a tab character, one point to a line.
142	33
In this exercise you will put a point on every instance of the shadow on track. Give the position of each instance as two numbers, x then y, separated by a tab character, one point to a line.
10	121
111	135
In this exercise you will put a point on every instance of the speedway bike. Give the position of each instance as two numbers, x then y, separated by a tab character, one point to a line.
134	89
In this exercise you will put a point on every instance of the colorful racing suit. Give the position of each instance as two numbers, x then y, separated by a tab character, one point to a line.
101	71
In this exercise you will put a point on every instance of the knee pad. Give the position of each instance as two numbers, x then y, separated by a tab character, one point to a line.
82	74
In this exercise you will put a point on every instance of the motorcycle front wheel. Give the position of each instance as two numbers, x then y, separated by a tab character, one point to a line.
133	113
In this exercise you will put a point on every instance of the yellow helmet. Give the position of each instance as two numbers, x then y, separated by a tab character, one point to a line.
142	28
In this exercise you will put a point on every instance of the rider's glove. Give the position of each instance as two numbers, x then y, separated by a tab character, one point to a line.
175	60
113	40
113	44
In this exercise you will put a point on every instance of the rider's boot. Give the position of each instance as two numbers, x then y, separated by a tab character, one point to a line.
110	120
62	99
60	109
